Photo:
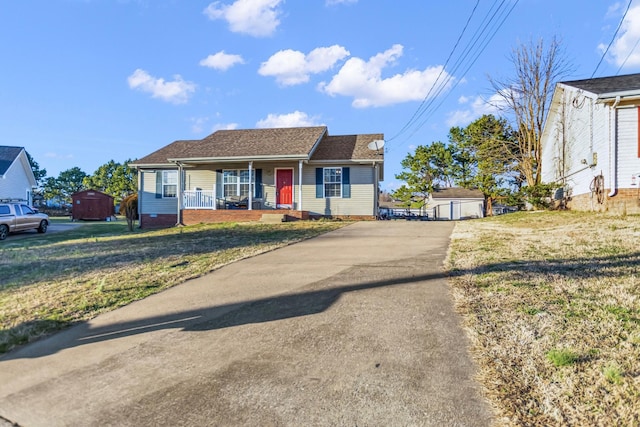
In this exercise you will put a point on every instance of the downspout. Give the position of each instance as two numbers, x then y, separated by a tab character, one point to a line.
300	185
251	187
140	193
376	192
613	148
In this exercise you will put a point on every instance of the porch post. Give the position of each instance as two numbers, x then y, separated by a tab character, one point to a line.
251	185
215	193
180	193
300	185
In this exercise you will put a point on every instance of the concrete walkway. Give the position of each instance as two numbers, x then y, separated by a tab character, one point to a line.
352	328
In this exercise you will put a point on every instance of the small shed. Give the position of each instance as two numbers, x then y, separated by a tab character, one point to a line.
92	205
456	203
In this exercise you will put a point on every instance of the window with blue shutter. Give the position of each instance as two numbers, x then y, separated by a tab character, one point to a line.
319	183
333	182
346	184
158	184
258	181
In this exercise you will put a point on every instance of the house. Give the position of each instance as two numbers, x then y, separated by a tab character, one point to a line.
91	205
16	176
455	203
591	144
240	175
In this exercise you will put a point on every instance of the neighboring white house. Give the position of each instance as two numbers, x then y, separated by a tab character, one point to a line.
455	204
591	145
16	177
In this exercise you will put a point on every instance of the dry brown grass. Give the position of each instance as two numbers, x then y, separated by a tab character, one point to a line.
551	303
49	282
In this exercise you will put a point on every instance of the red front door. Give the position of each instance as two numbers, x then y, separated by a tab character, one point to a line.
284	187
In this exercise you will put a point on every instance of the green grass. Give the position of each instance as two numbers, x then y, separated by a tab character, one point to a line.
562	357
48	282
613	373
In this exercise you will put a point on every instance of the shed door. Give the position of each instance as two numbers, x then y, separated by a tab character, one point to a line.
284	188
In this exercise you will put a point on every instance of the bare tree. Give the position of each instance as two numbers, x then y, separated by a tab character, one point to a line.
526	97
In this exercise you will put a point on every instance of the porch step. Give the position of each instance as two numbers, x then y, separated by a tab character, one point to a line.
273	218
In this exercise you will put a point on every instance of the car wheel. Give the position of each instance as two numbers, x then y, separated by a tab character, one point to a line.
4	232
43	227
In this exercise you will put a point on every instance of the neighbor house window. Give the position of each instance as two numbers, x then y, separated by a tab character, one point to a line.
237	183
332	182
169	183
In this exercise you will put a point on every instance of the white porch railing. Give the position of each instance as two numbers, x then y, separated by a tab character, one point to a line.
199	199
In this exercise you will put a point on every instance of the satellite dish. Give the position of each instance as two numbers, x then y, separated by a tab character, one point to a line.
376	145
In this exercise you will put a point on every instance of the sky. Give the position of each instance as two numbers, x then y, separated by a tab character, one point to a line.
83	82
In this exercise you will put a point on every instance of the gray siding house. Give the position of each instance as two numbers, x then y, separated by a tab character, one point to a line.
16	177
591	145
241	174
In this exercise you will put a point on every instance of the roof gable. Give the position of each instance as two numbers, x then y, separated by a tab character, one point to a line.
8	155
347	147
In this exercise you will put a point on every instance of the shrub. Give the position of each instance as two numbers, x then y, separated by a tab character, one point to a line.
129	208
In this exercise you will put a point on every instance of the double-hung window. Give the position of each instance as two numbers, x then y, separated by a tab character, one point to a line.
237	183
332	182
169	184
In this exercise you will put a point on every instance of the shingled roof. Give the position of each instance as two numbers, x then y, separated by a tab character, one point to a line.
7	156
304	143
347	147
456	193
608	85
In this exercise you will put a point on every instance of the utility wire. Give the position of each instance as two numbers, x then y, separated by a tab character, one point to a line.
483	35
444	67
628	56
487	39
612	39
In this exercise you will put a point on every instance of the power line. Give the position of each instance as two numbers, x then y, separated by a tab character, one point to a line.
488	28
628	56
612	39
455	46
487	39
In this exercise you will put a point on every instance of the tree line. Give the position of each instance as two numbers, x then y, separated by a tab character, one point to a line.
113	178
500	155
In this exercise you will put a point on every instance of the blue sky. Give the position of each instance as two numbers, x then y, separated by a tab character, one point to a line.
88	81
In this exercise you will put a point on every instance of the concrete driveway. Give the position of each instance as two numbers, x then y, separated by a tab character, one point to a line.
352	328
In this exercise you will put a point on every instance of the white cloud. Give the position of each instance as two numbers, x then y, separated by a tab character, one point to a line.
363	81
624	49
221	61
258	18
198	125
295	119
224	126
176	91
291	67
474	109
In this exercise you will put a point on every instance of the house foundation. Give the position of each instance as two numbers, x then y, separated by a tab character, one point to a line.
625	201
